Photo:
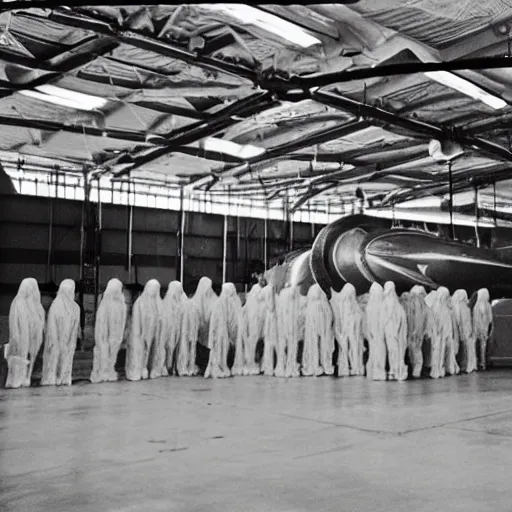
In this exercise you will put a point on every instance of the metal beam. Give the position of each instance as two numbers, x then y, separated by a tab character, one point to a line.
283	150
324	79
461	181
135	38
196	131
418	127
74	58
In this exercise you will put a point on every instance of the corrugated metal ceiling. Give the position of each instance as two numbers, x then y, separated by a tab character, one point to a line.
175	75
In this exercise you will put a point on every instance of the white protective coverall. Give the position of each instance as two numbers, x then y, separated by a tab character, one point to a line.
225	322
464	322
146	328
290	321
418	325
271	333
395	333
108	332
318	334
61	336
173	307
426	350
186	364
348	329
442	332
26	330
482	323
376	364
452	345
205	299
253	323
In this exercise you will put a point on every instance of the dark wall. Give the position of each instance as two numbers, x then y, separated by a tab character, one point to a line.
25	235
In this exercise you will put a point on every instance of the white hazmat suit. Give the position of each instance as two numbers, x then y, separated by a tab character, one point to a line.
376	364
205	299
26	330
395	333
348	329
186	364
290	320
271	333
61	336
225	322
145	333
173	307
417	313
253	324
442	332
464	322
108	332
318	334
482	323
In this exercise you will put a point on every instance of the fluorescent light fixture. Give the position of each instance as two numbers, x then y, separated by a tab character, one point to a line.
249	15
466	87
245	152
65	97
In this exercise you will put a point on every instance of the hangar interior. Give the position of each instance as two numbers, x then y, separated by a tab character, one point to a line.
314	200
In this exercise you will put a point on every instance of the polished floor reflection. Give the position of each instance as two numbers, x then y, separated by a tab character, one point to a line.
259	444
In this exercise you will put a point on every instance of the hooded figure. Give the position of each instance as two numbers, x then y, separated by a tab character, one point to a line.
270	331
251	331
108	332
186	364
482	324
348	328
452	343
283	331
173	307
204	299
290	324
255	312
318	334
61	336
376	364
395	333
225	321
146	328
417	313
464	322
442	332
26	329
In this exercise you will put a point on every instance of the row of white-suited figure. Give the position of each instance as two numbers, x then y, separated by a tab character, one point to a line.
164	333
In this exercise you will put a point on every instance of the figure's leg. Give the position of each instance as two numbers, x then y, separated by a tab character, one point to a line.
343	363
145	359
482	352
281	357
379	360
50	359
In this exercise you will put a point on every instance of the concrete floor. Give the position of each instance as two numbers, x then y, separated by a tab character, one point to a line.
259	444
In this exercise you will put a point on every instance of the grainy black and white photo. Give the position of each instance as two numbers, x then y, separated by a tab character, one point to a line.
256	258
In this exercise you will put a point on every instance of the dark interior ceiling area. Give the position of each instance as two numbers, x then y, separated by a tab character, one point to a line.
298	103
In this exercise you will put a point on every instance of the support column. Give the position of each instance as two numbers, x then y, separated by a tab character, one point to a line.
97	248
224	248
477	234
129	239
265	241
452	227
180	230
